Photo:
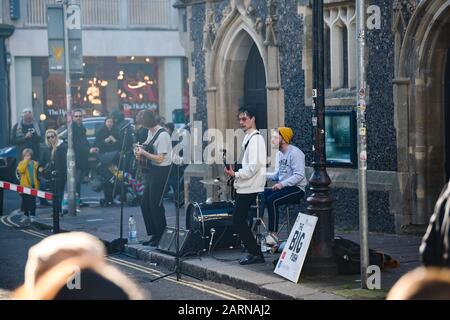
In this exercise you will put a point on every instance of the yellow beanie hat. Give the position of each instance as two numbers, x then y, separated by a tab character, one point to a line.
286	133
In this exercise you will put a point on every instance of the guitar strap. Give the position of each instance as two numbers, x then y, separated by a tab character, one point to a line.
161	130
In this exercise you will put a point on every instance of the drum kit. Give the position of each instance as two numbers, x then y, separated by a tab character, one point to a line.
213	221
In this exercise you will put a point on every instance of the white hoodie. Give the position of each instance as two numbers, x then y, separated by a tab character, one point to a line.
252	177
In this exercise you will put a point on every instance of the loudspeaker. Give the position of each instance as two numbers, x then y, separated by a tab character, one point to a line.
190	242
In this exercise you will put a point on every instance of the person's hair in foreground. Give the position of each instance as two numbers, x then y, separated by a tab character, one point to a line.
422	284
56	263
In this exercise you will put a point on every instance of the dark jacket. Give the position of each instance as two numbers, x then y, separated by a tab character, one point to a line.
107	146
435	247
80	146
59	163
18	133
140	135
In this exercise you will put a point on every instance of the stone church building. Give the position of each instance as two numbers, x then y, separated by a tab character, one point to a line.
259	52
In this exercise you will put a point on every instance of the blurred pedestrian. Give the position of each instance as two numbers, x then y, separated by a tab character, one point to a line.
125	139
72	266
81	149
107	142
140	132
28	169
53	166
26	134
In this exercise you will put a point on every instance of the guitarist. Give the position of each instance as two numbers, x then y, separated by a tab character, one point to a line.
249	180
158	151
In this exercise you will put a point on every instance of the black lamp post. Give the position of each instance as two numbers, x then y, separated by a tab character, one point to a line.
321	261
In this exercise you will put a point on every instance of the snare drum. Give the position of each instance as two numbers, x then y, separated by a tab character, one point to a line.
217	218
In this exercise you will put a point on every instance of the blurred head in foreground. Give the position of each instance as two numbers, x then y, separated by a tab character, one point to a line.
71	266
422	284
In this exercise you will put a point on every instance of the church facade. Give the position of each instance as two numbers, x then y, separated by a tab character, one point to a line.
259	52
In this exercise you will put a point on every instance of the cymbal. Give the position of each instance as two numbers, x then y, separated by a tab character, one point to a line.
214	182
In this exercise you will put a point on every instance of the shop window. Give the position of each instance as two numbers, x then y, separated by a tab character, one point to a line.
340	138
129	84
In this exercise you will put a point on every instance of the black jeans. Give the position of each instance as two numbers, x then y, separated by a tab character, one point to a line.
274	199
152	212
240	221
29	204
58	194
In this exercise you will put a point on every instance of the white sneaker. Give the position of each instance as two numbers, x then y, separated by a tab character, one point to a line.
24	220
32	219
271	239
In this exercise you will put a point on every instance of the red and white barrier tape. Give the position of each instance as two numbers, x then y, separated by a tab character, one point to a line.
20	189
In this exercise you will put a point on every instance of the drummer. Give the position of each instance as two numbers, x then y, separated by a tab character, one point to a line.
289	178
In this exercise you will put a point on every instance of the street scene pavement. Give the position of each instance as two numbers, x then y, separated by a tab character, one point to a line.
221	265
15	243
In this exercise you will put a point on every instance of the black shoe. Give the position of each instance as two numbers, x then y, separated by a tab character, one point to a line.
251	259
154	242
147	242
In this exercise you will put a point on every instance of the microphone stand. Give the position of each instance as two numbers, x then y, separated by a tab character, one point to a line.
55	203
177	271
117	245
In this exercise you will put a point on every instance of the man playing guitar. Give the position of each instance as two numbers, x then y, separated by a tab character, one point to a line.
159	152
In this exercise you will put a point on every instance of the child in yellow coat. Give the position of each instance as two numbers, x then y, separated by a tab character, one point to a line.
28	170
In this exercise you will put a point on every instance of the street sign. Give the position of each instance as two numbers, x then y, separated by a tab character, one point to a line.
56	55
293	256
73	24
14	9
55	23
73	17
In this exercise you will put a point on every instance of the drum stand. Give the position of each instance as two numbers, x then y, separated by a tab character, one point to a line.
258	222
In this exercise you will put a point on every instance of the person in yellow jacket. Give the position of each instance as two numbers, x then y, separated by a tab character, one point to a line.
28	170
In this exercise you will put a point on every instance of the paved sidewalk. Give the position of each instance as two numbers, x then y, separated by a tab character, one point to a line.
222	266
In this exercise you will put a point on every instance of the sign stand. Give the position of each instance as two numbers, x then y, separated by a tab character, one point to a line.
293	256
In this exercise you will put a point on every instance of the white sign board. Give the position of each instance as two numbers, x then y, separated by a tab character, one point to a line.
293	256
73	17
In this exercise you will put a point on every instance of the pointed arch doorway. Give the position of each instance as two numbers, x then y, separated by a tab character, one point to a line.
447	116
422	107
255	93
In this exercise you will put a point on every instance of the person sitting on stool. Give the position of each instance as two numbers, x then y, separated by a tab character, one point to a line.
289	177
248	182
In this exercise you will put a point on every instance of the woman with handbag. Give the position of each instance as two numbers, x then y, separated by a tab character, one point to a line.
53	166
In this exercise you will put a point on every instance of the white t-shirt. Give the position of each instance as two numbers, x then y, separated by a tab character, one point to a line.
162	145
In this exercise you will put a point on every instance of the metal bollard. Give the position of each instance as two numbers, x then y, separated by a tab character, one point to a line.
1	201
55	205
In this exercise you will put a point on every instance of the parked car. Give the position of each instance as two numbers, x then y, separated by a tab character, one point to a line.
93	125
8	164
8	155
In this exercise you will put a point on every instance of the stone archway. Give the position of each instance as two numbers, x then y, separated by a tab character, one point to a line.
419	99
225	63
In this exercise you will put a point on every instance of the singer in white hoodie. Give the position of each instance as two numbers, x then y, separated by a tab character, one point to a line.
248	182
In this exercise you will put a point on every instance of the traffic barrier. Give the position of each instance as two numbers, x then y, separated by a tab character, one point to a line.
25	190
33	192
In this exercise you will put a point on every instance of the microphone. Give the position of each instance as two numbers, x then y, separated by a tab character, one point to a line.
212	230
125	126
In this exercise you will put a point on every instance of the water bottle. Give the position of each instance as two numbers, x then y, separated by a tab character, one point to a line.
264	247
77	202
132	232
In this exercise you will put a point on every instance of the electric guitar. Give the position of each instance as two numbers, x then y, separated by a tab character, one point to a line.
143	163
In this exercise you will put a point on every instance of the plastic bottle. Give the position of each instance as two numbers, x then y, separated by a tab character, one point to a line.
264	247
132	232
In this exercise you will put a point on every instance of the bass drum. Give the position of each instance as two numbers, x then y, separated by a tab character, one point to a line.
213	220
